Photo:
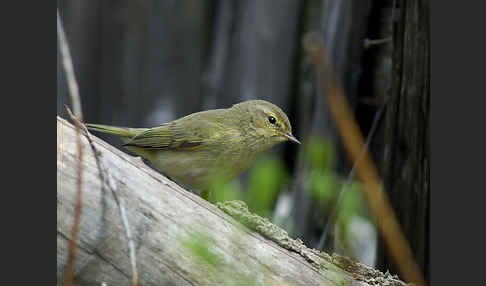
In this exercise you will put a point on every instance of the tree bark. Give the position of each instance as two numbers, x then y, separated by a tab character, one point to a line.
164	219
407	145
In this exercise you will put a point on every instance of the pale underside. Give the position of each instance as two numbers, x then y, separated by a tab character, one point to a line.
199	169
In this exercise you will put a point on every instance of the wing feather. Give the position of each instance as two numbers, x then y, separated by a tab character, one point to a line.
188	133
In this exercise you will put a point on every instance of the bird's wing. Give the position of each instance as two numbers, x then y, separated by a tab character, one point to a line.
188	133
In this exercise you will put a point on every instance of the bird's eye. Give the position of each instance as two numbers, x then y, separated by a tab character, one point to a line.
272	119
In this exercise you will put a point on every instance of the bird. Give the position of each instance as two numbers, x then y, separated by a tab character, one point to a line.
202	147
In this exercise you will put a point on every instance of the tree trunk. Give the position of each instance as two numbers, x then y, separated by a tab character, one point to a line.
165	221
407	152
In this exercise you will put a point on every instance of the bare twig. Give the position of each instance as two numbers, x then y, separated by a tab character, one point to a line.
107	182
68	67
368	43
350	177
353	140
76	102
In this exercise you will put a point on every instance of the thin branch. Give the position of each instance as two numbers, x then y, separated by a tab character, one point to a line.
366	171
68	67
76	102
368	43
350	177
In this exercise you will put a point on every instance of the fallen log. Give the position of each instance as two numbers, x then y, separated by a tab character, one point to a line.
180	239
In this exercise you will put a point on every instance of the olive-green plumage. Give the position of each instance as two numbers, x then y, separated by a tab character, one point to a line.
215	144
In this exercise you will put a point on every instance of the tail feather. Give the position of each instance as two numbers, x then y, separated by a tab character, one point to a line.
124	132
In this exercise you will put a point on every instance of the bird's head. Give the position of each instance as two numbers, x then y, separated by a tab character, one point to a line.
268	122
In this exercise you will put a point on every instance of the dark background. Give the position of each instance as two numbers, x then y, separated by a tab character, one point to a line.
142	63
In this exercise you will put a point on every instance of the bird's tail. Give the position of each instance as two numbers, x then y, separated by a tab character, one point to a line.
125	133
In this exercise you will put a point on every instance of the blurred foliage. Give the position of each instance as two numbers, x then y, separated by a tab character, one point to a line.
338	199
223	191
323	187
326	186
320	153
322	181
266	178
353	203
355	230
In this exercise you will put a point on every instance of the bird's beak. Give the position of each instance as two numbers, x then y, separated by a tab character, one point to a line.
291	137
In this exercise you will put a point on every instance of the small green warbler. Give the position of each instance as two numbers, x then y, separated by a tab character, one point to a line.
220	143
